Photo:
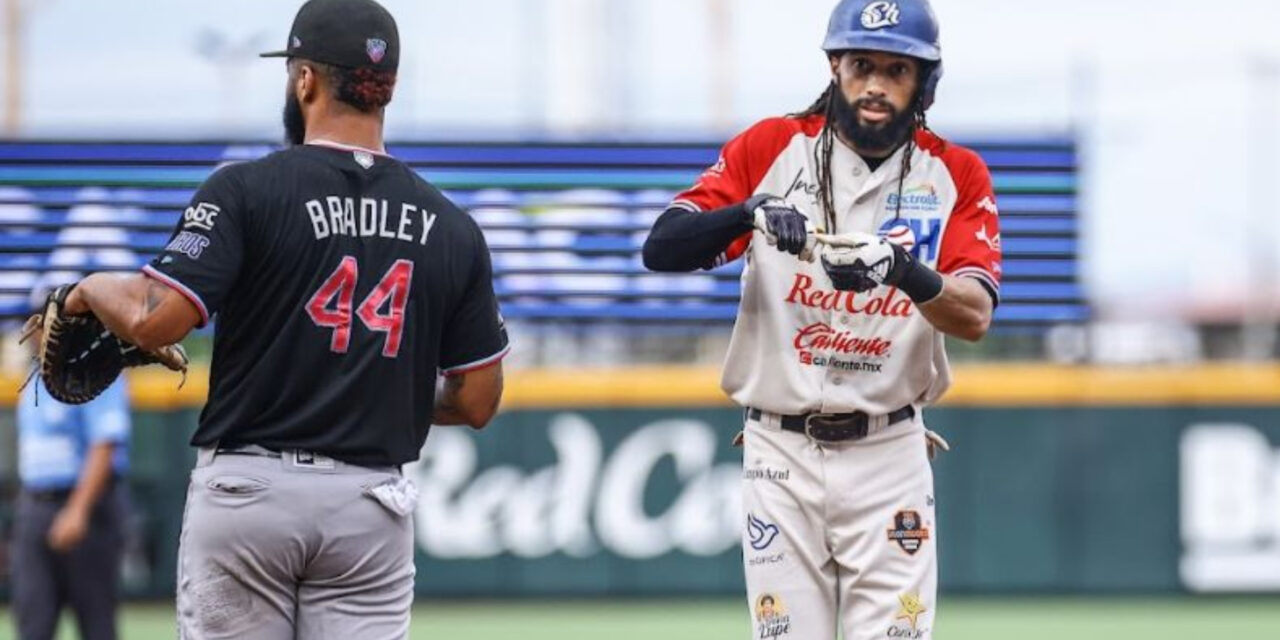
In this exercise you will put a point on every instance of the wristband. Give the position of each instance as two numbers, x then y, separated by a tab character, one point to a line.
919	282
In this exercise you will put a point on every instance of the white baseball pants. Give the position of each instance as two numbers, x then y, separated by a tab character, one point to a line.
839	535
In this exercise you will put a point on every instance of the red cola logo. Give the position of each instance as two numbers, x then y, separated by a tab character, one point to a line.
888	305
820	336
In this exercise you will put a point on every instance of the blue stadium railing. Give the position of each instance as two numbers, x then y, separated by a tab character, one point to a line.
565	221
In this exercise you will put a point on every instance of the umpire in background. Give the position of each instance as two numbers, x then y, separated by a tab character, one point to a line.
69	533
345	287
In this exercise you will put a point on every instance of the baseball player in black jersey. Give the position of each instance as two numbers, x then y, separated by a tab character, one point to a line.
343	285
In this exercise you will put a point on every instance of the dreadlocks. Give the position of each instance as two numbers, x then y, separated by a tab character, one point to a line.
826	106
822	152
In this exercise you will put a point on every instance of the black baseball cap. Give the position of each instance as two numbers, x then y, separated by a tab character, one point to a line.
344	33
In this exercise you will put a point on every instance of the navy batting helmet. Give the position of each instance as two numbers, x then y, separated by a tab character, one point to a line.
904	27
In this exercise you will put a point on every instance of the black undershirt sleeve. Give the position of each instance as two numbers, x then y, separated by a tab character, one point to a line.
684	240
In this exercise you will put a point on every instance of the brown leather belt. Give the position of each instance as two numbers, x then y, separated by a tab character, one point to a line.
833	427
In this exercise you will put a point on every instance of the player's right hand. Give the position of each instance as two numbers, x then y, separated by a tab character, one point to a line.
861	262
782	224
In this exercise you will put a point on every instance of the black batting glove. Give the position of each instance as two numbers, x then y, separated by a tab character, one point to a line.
782	224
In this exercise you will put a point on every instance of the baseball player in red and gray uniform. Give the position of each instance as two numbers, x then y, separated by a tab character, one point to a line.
868	238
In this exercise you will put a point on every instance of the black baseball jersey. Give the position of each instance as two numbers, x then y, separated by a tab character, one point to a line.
343	284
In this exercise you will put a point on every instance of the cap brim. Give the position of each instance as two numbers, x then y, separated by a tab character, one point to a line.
274	54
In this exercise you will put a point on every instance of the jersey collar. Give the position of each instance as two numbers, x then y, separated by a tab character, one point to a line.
321	142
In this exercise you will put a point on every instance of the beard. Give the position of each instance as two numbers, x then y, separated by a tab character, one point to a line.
295	124
871	137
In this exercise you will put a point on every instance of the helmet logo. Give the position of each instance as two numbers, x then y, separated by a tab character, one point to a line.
879	15
376	48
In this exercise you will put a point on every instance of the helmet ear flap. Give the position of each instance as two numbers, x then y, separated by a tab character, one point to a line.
931	75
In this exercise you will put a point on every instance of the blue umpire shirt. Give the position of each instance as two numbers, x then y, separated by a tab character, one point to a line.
54	438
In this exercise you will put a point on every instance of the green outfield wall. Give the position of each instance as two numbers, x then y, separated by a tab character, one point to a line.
614	501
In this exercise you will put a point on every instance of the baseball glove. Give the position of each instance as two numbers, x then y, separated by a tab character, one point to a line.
78	358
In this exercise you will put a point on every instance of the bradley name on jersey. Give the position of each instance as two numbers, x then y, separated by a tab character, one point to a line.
369	218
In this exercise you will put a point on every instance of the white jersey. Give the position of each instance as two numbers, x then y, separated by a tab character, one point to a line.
798	344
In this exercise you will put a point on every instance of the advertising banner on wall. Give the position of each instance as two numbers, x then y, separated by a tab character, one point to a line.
575	501
1230	502
647	501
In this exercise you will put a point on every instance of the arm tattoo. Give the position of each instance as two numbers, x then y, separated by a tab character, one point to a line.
449	406
155	295
448	402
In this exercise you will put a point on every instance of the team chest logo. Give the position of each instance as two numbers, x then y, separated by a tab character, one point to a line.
900	234
879	15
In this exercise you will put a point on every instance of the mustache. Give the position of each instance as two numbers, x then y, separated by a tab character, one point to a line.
877	103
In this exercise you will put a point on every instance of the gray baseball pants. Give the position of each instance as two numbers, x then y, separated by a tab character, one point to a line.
293	546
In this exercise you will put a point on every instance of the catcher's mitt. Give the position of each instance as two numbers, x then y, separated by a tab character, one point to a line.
78	358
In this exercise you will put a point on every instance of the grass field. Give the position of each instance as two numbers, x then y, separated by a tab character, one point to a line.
1119	618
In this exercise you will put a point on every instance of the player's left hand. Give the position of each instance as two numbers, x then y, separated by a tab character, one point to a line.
77	357
74	304
861	262
69	528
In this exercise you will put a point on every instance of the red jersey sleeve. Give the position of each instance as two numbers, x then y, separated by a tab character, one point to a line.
734	177
971	242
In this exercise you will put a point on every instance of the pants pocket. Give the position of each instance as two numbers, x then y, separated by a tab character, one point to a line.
236	485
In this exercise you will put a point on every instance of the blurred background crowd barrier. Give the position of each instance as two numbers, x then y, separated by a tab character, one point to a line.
610	471
565	222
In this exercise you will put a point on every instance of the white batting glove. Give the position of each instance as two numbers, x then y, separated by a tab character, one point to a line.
860	262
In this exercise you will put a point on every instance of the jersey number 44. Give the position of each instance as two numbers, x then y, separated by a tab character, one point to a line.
331	305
